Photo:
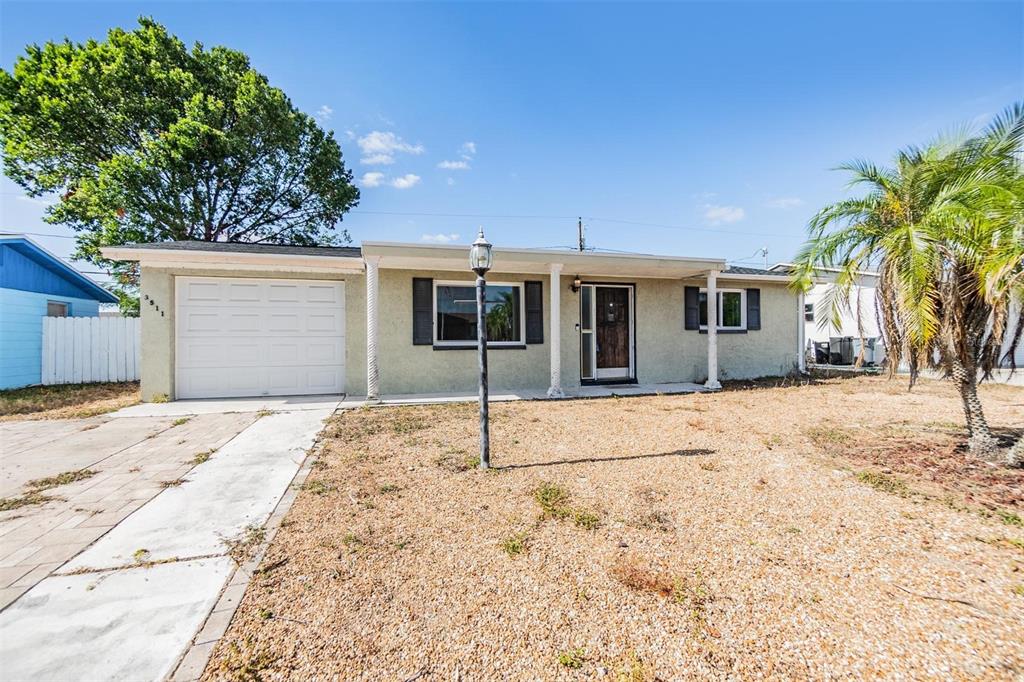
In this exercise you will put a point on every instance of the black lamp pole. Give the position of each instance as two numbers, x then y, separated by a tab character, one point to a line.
480	262
481	335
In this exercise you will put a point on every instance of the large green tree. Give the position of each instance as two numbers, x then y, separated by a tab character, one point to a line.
146	140
945	229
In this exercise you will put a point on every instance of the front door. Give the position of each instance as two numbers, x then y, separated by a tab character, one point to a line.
607	326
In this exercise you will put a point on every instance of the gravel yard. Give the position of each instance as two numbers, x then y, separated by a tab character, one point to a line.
786	532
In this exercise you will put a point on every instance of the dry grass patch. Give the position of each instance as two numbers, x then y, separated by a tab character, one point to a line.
463	572
60	479
66	401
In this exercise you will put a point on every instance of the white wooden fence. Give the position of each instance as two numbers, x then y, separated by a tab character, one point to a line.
79	350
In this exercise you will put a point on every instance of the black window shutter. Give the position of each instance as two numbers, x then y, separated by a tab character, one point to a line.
753	308
691	302
422	311
534	312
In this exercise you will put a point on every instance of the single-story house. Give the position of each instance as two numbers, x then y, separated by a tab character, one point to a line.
35	284
228	319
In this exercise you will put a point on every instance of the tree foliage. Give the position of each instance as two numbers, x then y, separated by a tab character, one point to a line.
146	140
945	229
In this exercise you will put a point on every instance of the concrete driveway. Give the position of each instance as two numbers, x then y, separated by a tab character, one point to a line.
114	576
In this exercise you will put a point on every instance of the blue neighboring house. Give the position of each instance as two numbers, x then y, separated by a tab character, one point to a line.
35	283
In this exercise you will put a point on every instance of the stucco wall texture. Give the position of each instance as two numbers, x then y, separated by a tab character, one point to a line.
665	352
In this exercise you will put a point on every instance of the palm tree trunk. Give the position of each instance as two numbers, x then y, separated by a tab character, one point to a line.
980	440
1015	455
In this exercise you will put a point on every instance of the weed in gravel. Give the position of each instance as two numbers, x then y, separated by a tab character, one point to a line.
552	499
457	461
242	548
30	498
352	541
160	398
655	520
388	488
141	555
317	487
572	658
631	668
404	423
172	484
244	663
515	544
319	464
1019	590
201	457
554	504
266	614
180	421
1010	518
708	465
773	441
634	574
826	436
264	413
884	482
60	479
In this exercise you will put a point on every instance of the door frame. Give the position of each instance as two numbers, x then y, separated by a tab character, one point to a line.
594	376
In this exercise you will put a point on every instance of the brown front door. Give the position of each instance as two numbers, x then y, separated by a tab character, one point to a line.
613	331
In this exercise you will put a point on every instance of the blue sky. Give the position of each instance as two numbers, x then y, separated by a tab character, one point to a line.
689	129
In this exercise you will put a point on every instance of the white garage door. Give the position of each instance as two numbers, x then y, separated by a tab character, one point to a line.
254	337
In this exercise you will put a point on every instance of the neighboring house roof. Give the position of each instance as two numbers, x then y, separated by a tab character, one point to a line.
787	267
734	270
29	249
240	247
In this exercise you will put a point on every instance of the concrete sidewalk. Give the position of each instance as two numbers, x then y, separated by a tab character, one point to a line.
129	606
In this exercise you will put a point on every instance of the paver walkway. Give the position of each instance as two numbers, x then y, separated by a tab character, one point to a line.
133	459
129	606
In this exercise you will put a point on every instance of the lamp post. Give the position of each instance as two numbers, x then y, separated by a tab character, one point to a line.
480	263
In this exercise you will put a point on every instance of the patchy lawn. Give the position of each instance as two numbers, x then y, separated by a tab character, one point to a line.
66	401
771	532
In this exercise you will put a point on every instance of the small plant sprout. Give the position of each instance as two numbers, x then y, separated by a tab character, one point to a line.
572	658
515	544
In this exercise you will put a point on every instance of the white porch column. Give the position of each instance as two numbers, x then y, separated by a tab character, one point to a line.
712	381
555	331
372	325
801	335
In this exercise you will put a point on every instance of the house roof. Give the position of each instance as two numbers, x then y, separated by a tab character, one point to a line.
51	262
418	256
240	247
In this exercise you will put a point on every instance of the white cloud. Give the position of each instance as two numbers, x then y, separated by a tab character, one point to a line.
440	238
406	181
372	179
454	165
785	202
379	147
377	160
324	113
468	148
723	214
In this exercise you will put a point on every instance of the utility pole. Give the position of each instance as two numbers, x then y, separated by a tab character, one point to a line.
579	235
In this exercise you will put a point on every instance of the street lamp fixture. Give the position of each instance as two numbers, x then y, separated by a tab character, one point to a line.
480	261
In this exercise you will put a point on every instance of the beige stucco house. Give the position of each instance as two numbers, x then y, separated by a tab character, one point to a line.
223	320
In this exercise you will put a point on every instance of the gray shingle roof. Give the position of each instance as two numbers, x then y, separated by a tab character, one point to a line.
239	247
734	270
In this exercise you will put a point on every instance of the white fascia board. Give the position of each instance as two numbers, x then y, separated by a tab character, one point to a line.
166	258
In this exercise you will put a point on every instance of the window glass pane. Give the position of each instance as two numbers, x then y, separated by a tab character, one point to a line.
587	356
54	309
585	294
456	313
809	312
732	315
702	304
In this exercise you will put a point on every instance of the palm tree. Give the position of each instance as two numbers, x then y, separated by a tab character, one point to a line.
943	227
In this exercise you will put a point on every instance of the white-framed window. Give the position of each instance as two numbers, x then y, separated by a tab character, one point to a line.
808	312
732	308
57	309
455	314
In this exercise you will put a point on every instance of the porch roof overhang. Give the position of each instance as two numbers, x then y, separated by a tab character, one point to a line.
587	264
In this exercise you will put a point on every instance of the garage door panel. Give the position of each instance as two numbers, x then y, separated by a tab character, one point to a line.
251	337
